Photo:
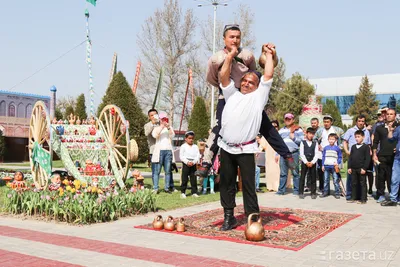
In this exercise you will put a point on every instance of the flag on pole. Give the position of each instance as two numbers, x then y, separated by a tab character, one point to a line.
93	2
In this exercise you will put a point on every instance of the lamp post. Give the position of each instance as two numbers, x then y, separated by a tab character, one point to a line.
214	4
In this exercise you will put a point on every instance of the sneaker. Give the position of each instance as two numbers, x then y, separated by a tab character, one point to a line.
314	196
351	201
279	193
204	192
388	203
154	191
174	190
301	196
258	190
195	195
324	195
183	195
212	192
381	199
337	196
167	191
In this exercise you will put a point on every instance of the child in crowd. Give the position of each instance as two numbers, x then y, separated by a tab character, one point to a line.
309	158
190	156
212	172
331	159
360	157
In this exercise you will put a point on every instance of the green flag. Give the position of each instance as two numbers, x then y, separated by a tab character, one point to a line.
93	2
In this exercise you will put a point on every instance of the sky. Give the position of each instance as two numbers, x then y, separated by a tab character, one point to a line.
317	38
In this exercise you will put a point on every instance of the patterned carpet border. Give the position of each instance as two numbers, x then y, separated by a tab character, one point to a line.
285	228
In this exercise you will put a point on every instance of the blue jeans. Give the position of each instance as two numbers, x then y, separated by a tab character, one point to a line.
283	164
258	173
328	171
164	161
394	192
348	186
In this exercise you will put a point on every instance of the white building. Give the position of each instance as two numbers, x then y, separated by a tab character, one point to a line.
343	89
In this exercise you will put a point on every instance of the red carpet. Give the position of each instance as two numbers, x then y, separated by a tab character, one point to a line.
291	229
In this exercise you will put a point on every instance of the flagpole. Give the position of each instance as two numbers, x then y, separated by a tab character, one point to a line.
89	62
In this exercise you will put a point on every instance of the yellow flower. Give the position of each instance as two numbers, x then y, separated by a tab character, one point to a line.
73	190
99	191
84	185
65	182
61	193
68	188
89	189
77	184
94	189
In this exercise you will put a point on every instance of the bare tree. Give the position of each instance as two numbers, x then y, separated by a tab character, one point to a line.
65	101
166	40
245	18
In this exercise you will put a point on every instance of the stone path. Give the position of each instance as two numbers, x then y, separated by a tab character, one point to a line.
373	239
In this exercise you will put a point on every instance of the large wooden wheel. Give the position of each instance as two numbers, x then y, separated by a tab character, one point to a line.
116	133
39	131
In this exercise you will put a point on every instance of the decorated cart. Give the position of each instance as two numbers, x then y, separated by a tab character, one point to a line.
98	150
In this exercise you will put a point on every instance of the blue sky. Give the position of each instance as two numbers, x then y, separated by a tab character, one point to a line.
317	38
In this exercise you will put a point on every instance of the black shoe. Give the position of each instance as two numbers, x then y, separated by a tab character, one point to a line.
388	203
202	171
301	196
230	221
324	195
337	196
168	192
314	196
370	192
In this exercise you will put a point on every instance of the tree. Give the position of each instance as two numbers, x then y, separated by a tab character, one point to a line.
58	114
398	107
68	111
365	102
277	86
293	96
80	109
199	121
245	18
166	41
330	108
2	145
64	102
120	94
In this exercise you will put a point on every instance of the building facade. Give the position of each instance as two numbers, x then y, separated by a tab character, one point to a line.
15	114
342	90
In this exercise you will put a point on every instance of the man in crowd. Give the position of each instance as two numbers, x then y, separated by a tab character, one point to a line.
320	173
151	141
322	137
243	62
292	135
394	137
384	158
348	141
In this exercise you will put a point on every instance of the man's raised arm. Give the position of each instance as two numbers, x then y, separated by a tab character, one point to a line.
269	64
225	73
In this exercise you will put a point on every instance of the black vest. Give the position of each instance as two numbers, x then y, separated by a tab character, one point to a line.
309	151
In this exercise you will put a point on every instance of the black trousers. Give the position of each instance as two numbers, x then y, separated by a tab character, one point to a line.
312	173
227	183
384	175
266	129
186	173
358	181
320	175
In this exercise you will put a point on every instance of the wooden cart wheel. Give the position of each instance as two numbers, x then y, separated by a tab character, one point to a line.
39	131
116	133
134	151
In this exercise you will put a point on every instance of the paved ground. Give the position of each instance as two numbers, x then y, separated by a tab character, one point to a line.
372	239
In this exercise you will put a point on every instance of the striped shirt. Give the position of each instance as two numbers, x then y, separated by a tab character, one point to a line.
292	144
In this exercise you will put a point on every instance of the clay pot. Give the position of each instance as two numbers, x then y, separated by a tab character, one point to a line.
254	230
180	226
158	222
169	224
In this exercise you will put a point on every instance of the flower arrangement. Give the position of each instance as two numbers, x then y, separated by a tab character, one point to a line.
76	202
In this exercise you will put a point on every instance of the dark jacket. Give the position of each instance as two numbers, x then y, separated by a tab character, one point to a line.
381	137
